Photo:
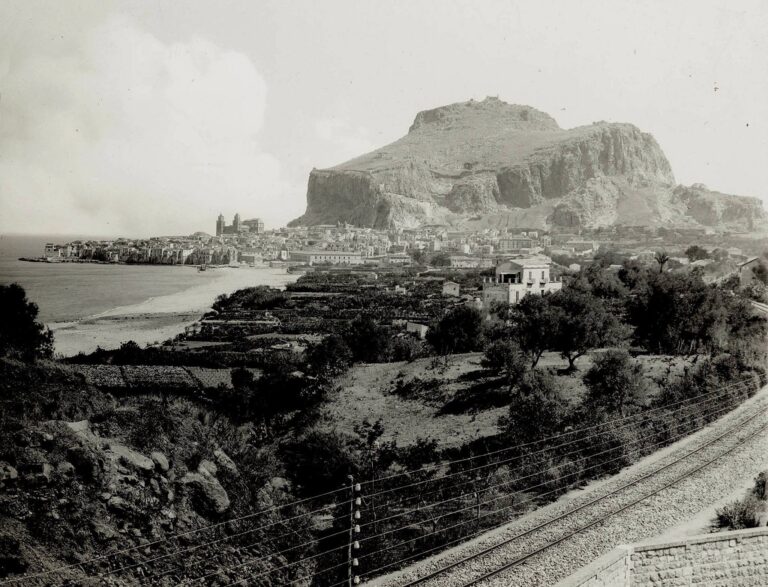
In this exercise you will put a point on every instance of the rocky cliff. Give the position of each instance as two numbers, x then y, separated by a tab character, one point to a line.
514	164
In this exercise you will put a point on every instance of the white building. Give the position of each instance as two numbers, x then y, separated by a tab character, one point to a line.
328	257
419	330
451	288
517	278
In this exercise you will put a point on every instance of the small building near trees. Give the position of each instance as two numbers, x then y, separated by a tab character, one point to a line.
517	278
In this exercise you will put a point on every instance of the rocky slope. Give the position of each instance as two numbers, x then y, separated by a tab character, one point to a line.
507	163
84	474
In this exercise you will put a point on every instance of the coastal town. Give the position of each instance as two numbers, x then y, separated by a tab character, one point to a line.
246	242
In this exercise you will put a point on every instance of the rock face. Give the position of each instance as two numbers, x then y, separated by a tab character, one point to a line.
514	164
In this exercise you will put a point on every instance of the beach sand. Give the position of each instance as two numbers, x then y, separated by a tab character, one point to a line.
158	319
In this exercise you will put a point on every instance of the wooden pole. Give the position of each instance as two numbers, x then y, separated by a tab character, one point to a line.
350	582
355	502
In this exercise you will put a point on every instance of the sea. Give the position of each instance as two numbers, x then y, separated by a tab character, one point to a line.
91	304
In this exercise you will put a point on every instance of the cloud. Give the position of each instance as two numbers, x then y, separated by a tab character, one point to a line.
127	134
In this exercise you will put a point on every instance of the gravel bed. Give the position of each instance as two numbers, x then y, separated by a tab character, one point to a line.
640	522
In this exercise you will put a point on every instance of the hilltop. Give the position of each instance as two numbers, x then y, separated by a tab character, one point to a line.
490	162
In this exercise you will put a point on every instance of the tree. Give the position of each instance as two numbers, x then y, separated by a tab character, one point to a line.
600	282
536	411
661	258
760	271
418	256
318	461
330	357
606	255
504	356
242	379
458	331
696	253
440	260
614	383
21	334
533	320
366	339
679	313
129	353
634	275
584	324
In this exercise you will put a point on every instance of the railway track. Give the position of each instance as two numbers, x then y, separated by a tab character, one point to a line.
501	559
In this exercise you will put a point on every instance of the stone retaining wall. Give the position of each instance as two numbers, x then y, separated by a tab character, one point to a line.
725	559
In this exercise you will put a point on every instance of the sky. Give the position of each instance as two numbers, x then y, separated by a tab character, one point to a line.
148	118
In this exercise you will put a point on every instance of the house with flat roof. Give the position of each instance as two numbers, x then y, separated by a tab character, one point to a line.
516	278
327	257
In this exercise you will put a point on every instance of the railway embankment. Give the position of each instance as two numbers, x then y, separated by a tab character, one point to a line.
657	493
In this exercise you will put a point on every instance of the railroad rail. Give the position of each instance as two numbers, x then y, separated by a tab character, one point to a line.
475	569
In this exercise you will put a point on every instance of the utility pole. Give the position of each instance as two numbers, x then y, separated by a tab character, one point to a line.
354	528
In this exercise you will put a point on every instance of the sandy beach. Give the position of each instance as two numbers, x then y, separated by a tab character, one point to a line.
159	318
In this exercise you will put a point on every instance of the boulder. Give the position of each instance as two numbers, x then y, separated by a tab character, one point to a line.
65	469
118	504
225	463
8	474
81	427
35	474
207	468
208	496
160	460
280	483
102	532
131	459
86	461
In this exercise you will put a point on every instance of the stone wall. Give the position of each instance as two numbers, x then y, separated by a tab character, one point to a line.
723	559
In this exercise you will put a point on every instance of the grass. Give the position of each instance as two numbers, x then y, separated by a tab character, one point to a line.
455	402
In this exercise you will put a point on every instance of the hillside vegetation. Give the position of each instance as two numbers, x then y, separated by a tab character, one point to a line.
173	482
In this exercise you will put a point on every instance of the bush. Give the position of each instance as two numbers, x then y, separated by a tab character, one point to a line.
760	490
615	382
407	348
739	514
536	410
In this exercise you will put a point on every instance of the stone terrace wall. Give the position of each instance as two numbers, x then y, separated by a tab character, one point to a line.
724	559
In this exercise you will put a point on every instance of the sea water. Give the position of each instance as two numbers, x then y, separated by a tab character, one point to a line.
92	304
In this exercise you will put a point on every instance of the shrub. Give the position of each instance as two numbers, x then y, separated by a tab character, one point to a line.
615	382
536	409
407	348
760	489
739	514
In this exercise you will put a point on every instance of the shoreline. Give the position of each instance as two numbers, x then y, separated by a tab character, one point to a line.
158	318
59	260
